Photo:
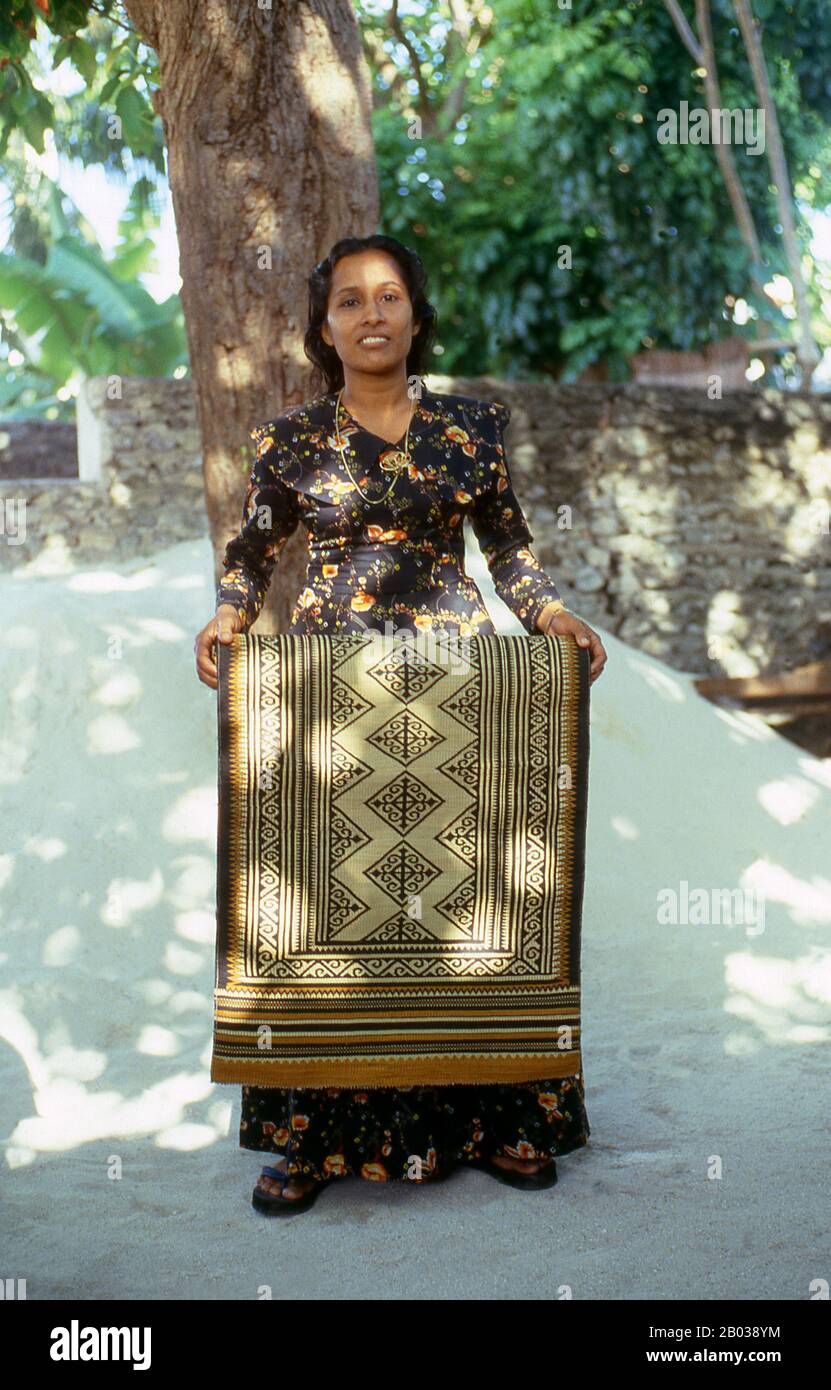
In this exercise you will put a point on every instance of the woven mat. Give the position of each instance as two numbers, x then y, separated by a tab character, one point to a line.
400	864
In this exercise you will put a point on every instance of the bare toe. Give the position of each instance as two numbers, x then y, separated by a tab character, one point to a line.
521	1165
271	1187
297	1187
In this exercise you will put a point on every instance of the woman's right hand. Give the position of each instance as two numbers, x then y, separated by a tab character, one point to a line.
226	621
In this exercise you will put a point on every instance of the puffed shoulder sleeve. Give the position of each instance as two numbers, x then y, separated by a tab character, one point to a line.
270	515
503	532
502	414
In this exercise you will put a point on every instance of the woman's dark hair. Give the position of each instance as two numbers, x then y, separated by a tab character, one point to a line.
327	364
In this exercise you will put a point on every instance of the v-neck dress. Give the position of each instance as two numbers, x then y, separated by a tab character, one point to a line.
399	562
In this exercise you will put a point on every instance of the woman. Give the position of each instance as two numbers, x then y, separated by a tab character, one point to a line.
386	546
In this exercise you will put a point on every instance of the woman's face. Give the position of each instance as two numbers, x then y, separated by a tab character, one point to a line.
369	299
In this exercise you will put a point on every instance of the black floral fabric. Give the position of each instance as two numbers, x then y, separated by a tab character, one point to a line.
396	563
413	1133
398	560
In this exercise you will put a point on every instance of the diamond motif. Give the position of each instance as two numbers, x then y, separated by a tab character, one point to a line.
464	706
405	737
463	768
341	648
345	837
347	770
460	836
458	906
406	672
400	930
404	802
401	872
344	908
347	705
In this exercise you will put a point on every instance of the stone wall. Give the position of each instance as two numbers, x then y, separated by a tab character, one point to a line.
38	449
139	485
696	530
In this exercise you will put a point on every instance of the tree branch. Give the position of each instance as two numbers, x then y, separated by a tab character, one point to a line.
807	352
727	164
398	30
688	38
145	17
463	37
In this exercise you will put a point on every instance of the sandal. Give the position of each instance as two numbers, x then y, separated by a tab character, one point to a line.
527	1182
286	1206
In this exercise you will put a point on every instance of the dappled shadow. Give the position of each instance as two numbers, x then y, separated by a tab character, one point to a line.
107	882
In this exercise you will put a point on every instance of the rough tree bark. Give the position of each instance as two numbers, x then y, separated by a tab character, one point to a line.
266	116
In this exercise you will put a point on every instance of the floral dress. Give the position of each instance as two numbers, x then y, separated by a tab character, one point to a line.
393	564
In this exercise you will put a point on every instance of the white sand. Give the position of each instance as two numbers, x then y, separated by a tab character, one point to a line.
700	1040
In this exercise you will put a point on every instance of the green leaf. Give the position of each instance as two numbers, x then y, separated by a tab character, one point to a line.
139	132
124	308
83	56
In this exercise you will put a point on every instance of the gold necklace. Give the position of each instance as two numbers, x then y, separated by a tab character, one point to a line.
394	461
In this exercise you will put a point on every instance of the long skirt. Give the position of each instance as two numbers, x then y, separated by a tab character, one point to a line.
412	1132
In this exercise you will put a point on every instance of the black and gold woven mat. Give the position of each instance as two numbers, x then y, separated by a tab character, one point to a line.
401	840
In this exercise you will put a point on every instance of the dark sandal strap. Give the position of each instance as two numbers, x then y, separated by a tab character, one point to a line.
292	1177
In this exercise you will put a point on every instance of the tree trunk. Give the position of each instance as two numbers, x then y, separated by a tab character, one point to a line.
266	117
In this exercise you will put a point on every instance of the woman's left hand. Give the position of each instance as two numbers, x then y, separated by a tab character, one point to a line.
586	636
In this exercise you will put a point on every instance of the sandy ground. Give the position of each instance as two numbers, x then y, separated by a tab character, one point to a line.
704	1043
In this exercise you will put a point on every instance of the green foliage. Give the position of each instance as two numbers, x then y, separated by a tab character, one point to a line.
558	234
77	314
117	73
65	309
556	147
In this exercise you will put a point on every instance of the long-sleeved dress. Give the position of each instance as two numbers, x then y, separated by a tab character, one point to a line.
398	562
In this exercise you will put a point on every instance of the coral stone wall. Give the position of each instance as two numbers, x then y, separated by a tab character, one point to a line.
694	529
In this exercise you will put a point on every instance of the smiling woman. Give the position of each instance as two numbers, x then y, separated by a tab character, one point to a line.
382	472
369	313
